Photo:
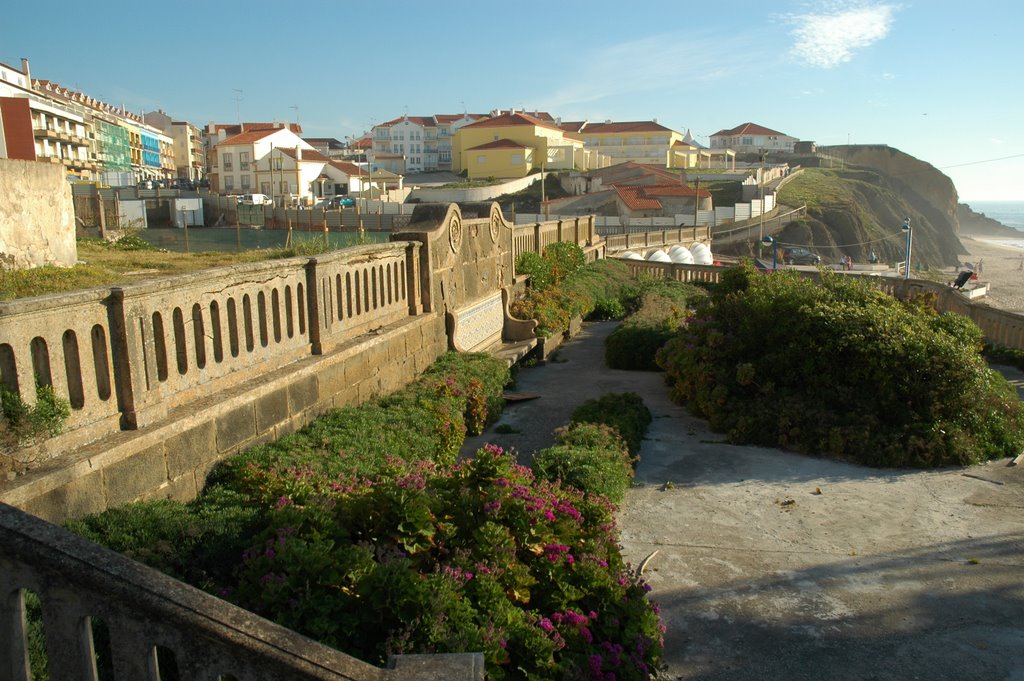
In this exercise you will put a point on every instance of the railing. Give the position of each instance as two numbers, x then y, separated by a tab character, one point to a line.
156	624
680	235
129	354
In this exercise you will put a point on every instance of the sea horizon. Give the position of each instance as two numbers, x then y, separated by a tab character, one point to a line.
1009	213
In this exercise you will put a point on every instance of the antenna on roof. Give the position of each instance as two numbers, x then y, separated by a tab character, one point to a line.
296	107
238	98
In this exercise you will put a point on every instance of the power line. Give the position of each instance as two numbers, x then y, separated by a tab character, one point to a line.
987	160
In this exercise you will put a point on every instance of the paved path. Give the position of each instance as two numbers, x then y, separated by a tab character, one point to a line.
772	565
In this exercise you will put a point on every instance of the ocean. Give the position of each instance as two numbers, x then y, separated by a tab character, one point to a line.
1010	213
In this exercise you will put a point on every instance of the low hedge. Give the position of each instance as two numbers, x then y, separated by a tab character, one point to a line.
625	412
590	457
659	310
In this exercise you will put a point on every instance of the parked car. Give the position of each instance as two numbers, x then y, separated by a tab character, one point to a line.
256	200
336	202
801	256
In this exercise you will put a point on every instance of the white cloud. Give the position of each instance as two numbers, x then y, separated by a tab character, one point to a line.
657	63
828	39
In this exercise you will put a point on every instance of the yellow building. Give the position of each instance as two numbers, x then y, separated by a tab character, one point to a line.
513	145
636	141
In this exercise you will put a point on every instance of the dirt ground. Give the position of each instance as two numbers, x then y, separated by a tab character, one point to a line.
771	565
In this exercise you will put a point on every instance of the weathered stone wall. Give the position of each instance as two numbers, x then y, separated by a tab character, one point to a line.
171	458
37	216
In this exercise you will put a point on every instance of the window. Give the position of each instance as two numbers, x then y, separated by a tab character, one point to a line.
229	183
275	164
747	141
283	187
226	161
481	159
245	182
243	160
517	159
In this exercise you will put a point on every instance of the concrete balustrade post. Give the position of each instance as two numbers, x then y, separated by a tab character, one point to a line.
313	319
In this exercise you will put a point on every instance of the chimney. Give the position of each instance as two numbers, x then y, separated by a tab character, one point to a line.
24	69
298	153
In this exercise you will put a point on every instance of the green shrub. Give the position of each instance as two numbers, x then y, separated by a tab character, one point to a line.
998	354
23	424
332	534
841	369
195	542
590	457
660	307
625	412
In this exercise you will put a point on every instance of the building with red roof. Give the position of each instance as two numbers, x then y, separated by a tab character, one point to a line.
416	143
751	138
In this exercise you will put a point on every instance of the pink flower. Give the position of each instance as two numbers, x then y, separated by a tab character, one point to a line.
546	624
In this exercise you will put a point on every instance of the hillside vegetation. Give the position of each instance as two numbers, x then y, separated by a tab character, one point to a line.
855	211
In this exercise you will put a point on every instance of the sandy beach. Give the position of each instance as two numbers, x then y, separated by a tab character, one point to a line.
1002	267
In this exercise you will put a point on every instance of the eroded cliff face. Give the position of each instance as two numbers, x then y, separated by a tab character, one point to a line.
860	207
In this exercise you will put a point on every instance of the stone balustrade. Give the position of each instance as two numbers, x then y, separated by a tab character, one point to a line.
156	623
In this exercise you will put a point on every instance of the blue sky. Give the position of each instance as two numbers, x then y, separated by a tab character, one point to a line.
938	79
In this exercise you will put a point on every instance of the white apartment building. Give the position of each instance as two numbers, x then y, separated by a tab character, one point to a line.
413	144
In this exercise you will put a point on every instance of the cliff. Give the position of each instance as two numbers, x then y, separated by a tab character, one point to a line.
860	207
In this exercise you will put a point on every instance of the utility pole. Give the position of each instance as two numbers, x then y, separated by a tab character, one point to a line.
760	184
696	201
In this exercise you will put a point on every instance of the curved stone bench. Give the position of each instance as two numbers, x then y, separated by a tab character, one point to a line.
487	326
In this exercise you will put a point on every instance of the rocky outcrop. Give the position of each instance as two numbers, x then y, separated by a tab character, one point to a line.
858	208
978	223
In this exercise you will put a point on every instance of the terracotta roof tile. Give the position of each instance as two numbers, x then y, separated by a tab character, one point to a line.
626	126
248	137
307	154
748	129
510	119
634	198
499	144
348	168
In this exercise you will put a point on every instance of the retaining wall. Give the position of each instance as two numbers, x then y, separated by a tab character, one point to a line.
37	217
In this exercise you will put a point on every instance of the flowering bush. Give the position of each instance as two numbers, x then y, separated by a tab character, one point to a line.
478	556
343	533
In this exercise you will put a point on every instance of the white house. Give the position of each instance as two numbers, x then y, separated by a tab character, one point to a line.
234	170
751	138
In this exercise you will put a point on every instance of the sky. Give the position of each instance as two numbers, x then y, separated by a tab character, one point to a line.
938	79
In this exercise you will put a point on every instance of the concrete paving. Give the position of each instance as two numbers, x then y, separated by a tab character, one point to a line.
772	565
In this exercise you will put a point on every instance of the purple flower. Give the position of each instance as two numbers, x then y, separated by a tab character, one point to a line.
546	624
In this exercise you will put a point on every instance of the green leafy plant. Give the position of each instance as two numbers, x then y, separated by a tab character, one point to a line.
625	412
590	457
361	531
841	369
26	423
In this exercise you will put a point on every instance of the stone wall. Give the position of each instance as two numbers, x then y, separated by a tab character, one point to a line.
167	377
171	458
37	217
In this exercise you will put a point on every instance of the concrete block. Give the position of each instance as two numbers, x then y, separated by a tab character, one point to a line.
271	409
235	427
133	477
187	450
333	380
75	499
183	488
303	394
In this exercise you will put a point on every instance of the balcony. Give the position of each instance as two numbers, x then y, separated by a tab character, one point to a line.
45	132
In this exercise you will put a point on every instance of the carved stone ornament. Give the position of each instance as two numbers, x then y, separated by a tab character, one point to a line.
495	225
455	233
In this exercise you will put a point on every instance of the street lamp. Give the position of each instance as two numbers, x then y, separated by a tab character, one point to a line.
906	228
767	240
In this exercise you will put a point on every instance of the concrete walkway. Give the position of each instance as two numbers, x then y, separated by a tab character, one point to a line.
771	565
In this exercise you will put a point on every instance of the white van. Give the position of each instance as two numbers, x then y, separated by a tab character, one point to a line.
256	200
